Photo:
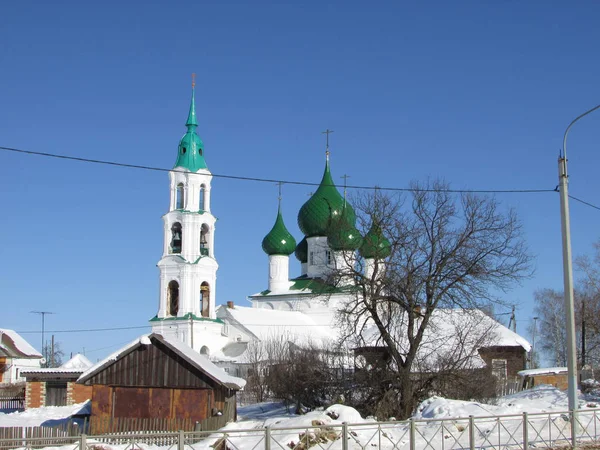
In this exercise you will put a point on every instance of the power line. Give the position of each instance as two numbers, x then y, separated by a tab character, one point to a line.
84	330
270	180
584	202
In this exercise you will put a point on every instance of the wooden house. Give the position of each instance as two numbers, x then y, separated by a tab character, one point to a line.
159	383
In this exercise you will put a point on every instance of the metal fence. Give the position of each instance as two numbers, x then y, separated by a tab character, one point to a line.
521	431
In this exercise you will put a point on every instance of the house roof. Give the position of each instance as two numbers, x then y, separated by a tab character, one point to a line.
14	345
76	365
194	358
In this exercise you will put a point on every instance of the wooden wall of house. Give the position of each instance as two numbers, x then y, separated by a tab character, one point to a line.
516	358
195	406
152	365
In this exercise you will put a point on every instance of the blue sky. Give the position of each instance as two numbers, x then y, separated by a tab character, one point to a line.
476	92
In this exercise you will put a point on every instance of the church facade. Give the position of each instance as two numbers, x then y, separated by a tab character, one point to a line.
300	309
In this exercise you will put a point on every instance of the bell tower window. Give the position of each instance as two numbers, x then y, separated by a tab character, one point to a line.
204	240
202	200
205	299
176	240
173	297
180	197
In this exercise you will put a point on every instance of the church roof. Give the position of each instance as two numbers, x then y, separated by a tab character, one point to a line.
322	207
190	154
279	240
302	251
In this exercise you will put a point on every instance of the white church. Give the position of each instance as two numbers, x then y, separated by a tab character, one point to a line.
292	306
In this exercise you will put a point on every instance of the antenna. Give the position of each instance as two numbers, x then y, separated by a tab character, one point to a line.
43	314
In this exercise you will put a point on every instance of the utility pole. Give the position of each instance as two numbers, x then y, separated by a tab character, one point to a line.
532	358
582	333
43	314
565	225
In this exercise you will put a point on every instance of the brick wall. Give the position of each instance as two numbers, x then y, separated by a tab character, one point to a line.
77	393
515	358
35	394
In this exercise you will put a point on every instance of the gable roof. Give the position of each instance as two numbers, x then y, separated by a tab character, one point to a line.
15	346
191	356
73	367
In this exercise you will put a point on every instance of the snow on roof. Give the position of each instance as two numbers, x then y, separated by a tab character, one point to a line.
11	340
199	361
302	327
79	362
542	371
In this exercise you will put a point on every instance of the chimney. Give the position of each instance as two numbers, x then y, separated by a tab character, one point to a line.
230	304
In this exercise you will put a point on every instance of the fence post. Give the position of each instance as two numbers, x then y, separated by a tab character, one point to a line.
267	438
181	440
573	418
525	431
411	434
344	436
471	432
83	442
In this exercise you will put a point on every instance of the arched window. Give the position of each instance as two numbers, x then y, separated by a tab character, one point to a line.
173	297
205	299
204	350
180	197
201	200
204	240
176	239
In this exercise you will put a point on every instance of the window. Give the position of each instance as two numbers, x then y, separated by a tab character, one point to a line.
176	238
499	368
312	258
205	299
201	199
328	257
173	298
183	150
204	240
179	203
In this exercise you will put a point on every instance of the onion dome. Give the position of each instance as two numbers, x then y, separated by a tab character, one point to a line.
375	244
279	241
343	235
302	251
190	153
324	205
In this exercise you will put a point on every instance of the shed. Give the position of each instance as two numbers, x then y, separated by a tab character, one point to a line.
159	383
57	386
554	376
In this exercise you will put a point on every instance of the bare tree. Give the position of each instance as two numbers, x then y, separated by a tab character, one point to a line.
445	251
53	354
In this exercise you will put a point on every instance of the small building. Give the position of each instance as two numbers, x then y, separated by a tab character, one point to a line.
16	355
161	379
554	376
57	386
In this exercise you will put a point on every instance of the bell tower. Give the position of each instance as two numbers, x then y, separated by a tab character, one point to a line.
188	268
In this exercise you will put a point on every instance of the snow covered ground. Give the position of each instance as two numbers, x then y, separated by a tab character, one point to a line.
438	424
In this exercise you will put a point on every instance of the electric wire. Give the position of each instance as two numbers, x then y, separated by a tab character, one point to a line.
84	330
584	202
270	180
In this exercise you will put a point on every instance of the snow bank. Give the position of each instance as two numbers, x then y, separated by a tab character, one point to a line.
39	416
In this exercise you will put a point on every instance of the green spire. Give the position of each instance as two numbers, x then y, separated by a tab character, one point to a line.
375	245
343	235
279	241
323	207
191	121
190	153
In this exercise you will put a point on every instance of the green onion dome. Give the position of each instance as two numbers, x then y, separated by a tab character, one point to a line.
343	235
316	215
375	244
190	153
302	251
279	241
